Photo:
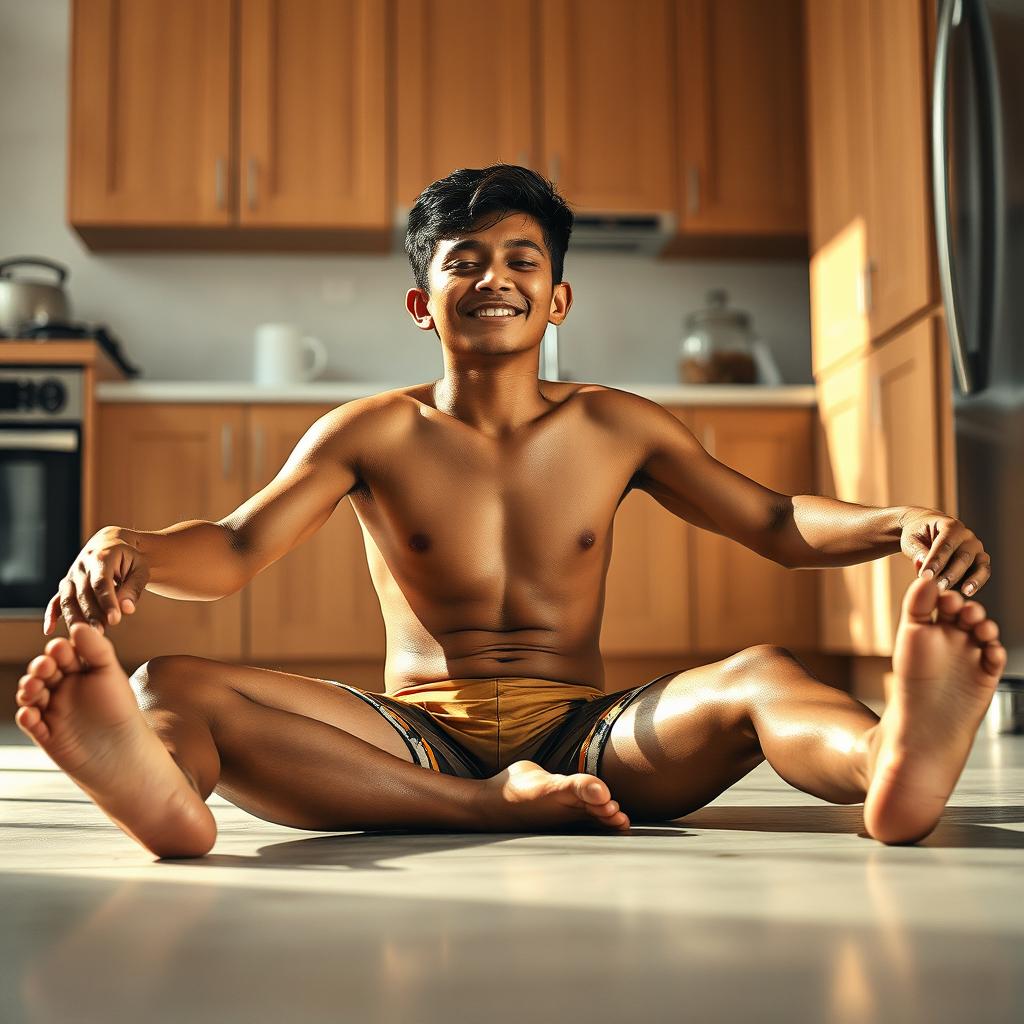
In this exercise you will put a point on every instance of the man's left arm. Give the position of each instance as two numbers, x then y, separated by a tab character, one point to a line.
818	532
797	531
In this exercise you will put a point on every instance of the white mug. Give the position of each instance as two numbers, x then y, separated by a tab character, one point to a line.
281	355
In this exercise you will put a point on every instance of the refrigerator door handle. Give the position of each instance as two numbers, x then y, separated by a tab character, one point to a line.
940	191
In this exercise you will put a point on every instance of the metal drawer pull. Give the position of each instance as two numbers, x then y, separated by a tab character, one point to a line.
693	190
219	179
40	440
251	182
226	446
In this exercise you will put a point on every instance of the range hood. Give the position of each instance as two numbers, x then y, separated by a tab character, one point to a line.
640	234
643	234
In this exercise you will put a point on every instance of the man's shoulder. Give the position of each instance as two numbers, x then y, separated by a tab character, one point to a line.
619	409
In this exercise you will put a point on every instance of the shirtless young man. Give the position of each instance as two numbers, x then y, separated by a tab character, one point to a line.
486	501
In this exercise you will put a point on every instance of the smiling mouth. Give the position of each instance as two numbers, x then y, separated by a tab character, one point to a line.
499	317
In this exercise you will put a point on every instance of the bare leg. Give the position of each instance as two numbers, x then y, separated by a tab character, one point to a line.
77	705
946	663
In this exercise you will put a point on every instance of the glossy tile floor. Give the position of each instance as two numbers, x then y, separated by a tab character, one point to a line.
767	905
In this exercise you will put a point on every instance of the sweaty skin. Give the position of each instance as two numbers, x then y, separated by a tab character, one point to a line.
489	556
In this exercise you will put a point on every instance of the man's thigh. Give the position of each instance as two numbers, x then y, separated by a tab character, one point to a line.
208	686
682	742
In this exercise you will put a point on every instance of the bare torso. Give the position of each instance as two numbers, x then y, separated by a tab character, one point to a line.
489	556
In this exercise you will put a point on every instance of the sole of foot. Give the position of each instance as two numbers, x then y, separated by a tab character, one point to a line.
77	704
527	797
946	663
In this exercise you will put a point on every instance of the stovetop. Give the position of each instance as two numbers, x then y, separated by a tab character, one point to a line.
55	331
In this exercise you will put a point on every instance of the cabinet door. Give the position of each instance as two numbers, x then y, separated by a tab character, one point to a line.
647	591
881	447
899	230
150	112
839	167
742	153
740	598
317	602
608	113
314	96
467	88
908	469
870	196
845	454
160	465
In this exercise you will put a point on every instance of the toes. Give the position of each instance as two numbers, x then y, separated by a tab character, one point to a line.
32	691
970	615
994	657
593	791
43	667
986	631
921	599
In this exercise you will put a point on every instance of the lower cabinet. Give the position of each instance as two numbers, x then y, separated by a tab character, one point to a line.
672	588
885	439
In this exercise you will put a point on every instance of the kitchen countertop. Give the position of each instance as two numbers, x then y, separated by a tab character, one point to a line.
343	391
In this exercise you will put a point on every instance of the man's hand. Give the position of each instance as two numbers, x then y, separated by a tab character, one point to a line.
939	544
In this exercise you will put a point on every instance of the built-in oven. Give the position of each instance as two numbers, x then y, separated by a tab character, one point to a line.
40	484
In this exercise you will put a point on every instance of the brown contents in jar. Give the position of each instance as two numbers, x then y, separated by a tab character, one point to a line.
719	368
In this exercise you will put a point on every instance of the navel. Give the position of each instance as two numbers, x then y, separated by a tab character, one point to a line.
419	542
587	539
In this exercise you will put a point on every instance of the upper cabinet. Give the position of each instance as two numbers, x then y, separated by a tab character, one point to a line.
467	90
741	141
315	124
173	128
608	118
150	112
870	228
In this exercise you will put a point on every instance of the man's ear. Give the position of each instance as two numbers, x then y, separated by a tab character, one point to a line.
561	303
416	300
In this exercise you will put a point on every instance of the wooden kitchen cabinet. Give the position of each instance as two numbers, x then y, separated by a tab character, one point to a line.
674	588
461	102
161	464
608	118
878	445
150	113
738	597
171	130
317	602
871	243
741	143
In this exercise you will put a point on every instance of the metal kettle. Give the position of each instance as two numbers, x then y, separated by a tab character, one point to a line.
28	301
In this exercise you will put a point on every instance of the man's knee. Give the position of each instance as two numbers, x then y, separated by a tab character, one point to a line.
166	677
758	659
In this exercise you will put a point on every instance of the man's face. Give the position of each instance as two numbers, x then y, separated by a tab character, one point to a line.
504	266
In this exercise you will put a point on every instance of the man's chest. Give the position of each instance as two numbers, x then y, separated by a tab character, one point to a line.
484	514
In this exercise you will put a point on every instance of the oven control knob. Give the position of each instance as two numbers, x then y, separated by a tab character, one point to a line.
52	395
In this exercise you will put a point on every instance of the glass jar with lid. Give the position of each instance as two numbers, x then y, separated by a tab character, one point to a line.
719	346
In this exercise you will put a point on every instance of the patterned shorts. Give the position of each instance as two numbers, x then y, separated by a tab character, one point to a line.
475	728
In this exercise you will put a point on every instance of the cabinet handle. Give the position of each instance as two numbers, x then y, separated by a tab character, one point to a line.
219	180
693	190
250	178
709	441
554	167
227	444
257	453
865	289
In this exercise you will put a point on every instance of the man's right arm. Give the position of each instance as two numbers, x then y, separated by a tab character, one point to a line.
199	560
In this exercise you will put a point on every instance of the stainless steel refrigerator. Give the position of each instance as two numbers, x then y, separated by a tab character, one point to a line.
978	170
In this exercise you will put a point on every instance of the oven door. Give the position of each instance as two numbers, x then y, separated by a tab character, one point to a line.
40	513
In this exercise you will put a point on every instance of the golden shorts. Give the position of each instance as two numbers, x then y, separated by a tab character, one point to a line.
475	728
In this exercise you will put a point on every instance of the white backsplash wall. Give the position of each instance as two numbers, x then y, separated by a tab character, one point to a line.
188	316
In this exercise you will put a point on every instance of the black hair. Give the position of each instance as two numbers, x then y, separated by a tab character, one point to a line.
451	206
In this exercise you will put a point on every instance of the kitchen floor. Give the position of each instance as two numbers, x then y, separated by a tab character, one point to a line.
768	904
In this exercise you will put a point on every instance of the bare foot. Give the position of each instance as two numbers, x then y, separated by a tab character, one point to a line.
946	672
77	704
527	797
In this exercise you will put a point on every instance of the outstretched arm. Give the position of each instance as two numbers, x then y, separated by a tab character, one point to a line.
797	531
